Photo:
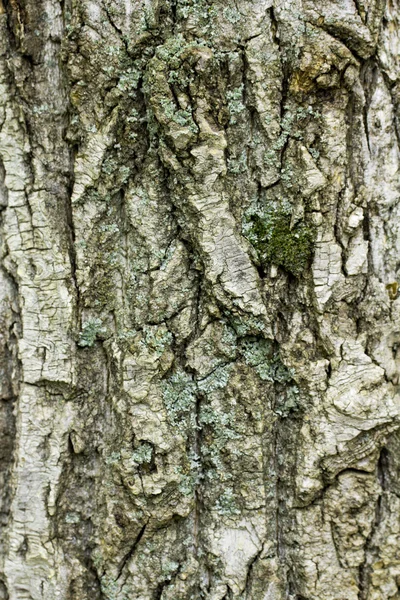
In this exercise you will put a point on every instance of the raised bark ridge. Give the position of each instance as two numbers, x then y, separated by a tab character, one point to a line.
199	216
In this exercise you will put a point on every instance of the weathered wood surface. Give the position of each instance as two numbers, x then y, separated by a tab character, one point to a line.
199	311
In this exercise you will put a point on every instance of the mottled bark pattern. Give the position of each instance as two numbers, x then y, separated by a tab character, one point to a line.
199	308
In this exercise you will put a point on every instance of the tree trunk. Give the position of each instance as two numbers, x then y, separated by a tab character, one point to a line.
199	308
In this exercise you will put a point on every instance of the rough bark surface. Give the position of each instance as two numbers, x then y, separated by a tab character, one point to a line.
199	308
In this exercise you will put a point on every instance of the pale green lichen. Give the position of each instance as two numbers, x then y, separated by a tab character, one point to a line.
314	153
179	395
156	338
72	518
235	104
289	402
260	354
112	166
190	478
226	504
229	339
143	454
219	428
109	587
237	164
168	568
199	10
179	116
91	330
232	15
113	458
129	80
218	379
265	358
246	324
290	128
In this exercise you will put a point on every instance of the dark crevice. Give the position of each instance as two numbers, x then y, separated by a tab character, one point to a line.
163	584
71	228
275	26
250	569
174	15
335	34
131	552
11	22
366	127
337	233
117	30
368	78
363	17
383	469
197	447
228	594
329	370
3	590
328	482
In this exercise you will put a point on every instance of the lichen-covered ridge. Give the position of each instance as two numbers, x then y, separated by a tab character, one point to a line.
199	208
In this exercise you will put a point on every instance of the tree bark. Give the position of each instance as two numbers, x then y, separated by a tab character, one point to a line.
199	308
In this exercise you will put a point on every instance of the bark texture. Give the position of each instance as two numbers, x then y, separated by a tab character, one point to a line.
199	308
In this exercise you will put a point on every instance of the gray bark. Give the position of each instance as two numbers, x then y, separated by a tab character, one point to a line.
199	238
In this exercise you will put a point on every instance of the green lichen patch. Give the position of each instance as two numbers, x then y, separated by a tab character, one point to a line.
179	395
237	164
226	504
279	242
292	124
167	76
91	330
72	518
219	427
156	338
262	355
246	324
289	402
143	453
218	379
201	12
235	103
190	476
183	76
